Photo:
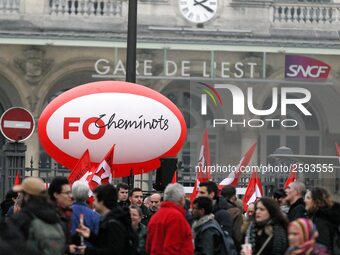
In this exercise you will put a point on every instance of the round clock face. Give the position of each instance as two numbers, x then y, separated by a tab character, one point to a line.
198	11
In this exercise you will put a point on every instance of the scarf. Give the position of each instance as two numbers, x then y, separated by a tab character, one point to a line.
198	223
307	235
279	234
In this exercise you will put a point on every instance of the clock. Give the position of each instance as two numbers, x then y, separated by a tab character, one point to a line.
198	11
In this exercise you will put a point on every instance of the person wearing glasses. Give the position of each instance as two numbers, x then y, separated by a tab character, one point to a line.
60	194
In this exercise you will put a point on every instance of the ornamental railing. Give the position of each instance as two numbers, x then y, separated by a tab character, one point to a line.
85	7
9	6
305	14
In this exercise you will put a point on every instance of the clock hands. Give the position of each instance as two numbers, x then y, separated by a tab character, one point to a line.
201	3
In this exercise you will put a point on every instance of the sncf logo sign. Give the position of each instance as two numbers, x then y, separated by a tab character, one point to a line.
305	68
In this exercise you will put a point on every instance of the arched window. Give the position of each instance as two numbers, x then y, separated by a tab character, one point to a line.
190	106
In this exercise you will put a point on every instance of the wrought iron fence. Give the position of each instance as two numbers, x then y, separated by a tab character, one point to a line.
46	171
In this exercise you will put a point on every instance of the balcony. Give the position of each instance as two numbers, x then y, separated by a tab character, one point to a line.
255	22
9	6
305	14
85	7
63	7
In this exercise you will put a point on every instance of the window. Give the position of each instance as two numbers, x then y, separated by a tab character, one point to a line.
305	138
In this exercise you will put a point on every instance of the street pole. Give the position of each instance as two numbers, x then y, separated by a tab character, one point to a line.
131	52
131	42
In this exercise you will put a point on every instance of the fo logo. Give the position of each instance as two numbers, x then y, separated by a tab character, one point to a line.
212	93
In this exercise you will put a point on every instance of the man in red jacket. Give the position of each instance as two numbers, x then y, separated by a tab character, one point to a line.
168	230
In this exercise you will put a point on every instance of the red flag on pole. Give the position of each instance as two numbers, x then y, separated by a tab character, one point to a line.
254	191
17	179
103	173
204	162
233	177
203	172
292	176
80	168
174	177
337	149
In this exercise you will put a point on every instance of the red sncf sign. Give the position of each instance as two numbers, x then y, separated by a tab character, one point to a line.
17	124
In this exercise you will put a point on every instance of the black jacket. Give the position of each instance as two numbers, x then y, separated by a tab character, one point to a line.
146	214
297	210
326	221
122	204
114	234
208	242
268	237
222	216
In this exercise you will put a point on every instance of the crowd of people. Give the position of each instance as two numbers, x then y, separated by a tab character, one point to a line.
122	220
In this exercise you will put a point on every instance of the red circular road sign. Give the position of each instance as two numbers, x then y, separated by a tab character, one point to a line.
17	124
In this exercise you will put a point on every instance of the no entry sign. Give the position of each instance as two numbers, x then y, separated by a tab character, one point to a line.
17	124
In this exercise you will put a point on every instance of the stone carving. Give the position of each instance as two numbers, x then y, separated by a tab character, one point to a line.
33	100
34	65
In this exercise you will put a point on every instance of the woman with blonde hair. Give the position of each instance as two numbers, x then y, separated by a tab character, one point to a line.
302	235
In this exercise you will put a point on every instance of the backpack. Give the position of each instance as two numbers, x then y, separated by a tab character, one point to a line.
228	242
48	239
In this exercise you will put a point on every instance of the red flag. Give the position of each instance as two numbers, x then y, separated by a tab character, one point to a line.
174	177
254	191
292	176
80	168
233	177
337	149
17	179
103	173
203	172
204	162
